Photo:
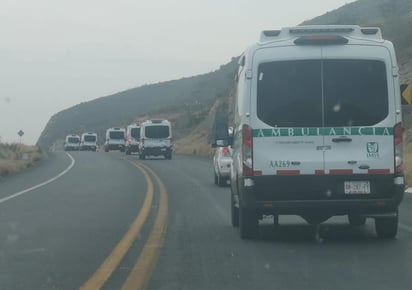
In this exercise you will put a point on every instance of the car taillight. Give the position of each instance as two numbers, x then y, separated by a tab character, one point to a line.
129	139
397	140
247	150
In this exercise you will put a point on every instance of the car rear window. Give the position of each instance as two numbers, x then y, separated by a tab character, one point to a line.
135	132
160	131
73	140
315	93
89	138
116	135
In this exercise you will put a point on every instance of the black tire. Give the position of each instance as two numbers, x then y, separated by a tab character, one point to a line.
275	220
221	181
357	221
387	227
248	223
234	212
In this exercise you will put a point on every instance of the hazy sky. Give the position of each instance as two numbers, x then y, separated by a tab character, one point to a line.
58	53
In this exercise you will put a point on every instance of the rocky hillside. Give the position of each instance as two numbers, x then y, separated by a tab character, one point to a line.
394	17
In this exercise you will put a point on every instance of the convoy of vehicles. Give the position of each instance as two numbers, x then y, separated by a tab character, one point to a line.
317	129
155	139
115	139
88	142
151	138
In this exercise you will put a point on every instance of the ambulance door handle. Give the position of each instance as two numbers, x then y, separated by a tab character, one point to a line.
342	139
364	166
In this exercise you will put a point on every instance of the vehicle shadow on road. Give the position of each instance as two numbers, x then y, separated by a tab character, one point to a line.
324	233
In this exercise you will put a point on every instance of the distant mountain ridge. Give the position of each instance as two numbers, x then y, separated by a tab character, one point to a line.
191	98
123	108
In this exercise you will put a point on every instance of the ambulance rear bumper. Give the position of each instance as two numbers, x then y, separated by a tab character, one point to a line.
326	194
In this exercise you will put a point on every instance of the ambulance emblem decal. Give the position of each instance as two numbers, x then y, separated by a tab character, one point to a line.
372	149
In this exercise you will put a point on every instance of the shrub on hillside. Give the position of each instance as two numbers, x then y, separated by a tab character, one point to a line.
14	157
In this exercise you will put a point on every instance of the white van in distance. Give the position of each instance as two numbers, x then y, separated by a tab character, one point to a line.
88	141
156	139
318	129
115	138
132	139
72	142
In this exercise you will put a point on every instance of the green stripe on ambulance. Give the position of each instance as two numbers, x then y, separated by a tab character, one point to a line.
323	131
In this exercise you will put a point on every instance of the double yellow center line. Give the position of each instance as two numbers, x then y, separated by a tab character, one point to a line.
141	272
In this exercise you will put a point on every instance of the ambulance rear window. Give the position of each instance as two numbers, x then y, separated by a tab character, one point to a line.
355	92
90	138
322	93
116	135
159	131
289	93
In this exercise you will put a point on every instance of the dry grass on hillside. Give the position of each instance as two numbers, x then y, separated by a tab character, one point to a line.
15	157
195	144
407	152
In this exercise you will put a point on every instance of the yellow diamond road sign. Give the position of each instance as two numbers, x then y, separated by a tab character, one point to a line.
406	95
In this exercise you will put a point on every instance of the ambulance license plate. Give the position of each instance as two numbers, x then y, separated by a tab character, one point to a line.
357	187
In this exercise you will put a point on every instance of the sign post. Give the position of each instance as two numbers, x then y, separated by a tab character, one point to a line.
20	133
406	94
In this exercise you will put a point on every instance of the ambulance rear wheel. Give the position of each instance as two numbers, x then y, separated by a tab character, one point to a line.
387	227
248	223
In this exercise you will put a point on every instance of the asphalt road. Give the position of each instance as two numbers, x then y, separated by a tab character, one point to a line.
114	222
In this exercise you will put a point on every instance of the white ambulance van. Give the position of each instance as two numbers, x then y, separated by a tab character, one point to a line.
318	129
155	139
132	138
88	142
115	139
71	142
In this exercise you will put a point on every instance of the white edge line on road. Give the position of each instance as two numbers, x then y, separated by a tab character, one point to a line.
17	194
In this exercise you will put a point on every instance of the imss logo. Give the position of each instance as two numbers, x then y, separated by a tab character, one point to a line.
372	149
